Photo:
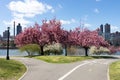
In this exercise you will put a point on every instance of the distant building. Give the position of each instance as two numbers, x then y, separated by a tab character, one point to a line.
115	38
19	29
101	30
5	34
0	37
107	28
112	38
107	32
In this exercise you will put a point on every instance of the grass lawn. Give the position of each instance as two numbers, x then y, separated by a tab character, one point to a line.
67	59
11	69
115	71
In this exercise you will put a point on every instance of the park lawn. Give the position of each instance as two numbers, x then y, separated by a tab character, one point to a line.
67	59
114	71
11	69
61	59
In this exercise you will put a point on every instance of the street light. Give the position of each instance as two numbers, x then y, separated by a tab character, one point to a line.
7	57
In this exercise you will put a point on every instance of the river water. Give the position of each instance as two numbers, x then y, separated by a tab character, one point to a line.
16	52
12	52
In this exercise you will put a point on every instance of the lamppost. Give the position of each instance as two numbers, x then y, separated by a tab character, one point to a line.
7	57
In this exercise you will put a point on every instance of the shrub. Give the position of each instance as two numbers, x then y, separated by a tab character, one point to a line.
101	50
31	49
72	50
55	48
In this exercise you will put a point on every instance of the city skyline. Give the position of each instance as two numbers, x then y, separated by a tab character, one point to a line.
91	13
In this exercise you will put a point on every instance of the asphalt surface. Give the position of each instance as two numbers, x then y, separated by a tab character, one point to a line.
86	70
93	70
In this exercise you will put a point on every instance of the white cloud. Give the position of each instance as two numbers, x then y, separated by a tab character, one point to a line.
87	25
98	0
82	24
64	22
21	10
29	8
96	10
114	28
23	22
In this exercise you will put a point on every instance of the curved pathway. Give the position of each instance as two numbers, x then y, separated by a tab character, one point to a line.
85	70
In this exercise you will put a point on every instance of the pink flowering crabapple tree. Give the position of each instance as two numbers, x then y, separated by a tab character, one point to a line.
51	32
47	33
32	35
86	38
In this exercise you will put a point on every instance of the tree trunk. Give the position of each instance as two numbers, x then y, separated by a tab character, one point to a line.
41	47
86	51
28	52
39	53
65	50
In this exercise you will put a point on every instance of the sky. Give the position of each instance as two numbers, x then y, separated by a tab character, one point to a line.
71	13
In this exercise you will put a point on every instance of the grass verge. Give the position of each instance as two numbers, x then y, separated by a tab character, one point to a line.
11	69
114	71
66	59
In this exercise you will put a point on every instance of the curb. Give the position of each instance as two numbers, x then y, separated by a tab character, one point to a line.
24	73
108	76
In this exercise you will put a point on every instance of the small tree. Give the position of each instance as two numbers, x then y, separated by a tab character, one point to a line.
31	49
101	50
55	48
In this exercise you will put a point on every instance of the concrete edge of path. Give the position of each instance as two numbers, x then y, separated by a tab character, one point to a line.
25	72
108	70
108	75
23	64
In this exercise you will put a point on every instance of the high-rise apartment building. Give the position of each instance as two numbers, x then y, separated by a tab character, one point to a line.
107	32
19	29
101	28
112	38
107	28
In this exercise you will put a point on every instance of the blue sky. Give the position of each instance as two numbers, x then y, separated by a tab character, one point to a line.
72	13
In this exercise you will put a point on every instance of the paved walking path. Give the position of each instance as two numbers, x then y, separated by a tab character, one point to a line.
85	70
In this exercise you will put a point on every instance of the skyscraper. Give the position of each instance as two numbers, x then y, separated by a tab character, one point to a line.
19	29
107	28
107	32
101	28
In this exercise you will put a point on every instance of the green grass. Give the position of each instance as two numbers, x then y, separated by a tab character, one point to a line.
11	69
115	71
66	59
